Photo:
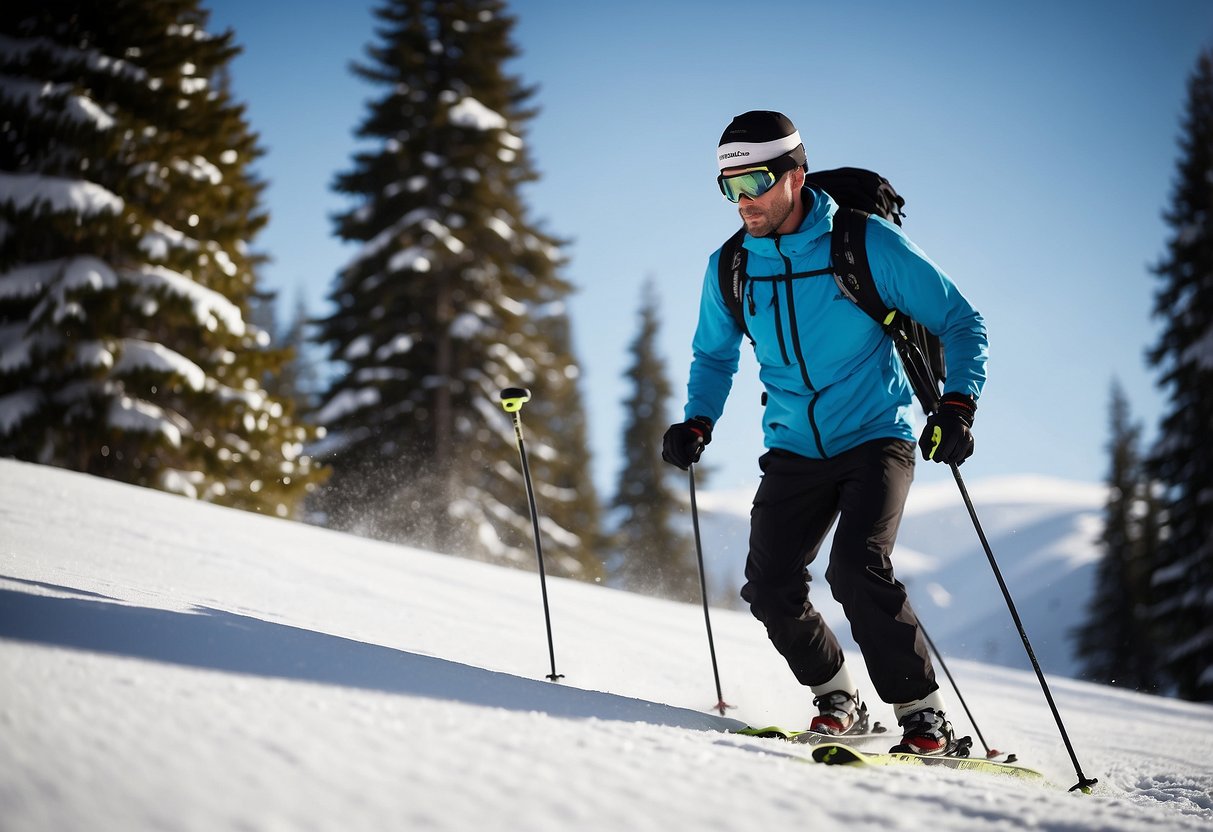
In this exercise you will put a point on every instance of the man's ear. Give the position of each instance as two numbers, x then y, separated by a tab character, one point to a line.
798	178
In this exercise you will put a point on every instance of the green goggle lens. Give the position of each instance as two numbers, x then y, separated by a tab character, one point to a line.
752	183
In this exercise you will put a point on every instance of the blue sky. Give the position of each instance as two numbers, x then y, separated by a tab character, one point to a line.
1035	143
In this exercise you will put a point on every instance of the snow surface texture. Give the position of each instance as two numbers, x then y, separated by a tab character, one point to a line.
169	664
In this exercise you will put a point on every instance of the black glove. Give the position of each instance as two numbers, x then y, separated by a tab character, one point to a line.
946	438
684	441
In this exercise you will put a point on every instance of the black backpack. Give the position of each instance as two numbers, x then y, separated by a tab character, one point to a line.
858	193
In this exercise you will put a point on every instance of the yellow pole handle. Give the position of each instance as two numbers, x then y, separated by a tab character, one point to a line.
513	398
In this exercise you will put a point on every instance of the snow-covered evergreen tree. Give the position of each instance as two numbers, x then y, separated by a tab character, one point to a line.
453	295
126	213
1117	644
650	556
1182	579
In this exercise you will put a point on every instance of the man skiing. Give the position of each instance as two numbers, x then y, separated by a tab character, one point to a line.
836	426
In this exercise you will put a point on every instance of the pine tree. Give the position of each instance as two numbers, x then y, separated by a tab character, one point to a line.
1182	578
126	214
652	557
453	296
1117	644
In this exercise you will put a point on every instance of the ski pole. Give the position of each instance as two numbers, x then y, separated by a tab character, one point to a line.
1084	783
721	705
927	391
512	400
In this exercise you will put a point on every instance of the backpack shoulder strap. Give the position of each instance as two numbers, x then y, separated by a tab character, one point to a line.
921	352
852	272
732	276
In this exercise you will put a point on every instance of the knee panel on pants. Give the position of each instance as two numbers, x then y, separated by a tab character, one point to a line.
771	601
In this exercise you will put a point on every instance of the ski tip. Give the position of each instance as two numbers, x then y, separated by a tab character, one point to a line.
770	733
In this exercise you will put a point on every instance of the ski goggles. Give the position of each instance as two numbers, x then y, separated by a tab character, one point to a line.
756	180
752	182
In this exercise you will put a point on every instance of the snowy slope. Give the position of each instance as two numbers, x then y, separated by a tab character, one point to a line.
173	665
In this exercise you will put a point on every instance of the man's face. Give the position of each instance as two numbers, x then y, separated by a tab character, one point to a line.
764	214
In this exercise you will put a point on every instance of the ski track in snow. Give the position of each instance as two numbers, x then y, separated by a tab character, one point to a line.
173	665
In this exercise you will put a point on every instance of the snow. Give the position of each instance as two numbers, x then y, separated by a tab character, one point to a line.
78	108
170	664
162	239
210	308
472	114
388	236
347	402
1200	352
515	308
189	86
27	48
501	227
514	362
360	347
399	345
35	192
139	355
58	281
198	169
14	347
29	280
188	30
17	407
413	258
467	326
139	416
442	234
94	354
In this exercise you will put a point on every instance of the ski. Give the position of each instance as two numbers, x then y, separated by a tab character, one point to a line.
806	737
815	738
770	732
837	754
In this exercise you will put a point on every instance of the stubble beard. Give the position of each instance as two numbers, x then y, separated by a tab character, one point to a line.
764	223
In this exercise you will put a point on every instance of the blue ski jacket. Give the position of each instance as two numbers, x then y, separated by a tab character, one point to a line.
832	377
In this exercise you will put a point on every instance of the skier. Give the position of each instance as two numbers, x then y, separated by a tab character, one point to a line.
839	441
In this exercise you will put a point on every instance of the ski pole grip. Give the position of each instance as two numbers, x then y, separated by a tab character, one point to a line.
513	398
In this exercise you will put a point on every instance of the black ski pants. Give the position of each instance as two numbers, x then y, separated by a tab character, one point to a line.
797	501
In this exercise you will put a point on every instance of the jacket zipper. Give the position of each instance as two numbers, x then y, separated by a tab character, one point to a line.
783	347
795	334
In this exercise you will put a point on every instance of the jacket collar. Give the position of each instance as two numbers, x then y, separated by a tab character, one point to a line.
817	223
